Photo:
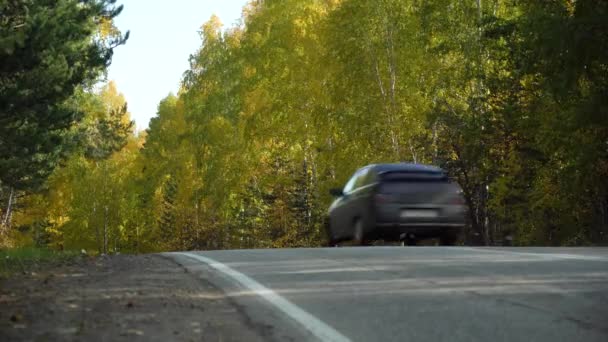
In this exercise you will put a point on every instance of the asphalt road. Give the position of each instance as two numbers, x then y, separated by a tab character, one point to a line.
416	293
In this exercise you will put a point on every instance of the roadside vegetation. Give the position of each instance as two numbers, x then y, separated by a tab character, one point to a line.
30	259
511	98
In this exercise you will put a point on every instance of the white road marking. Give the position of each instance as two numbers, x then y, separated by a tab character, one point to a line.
546	256
336	270
318	328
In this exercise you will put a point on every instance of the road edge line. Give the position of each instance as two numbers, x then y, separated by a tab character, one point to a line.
545	256
318	328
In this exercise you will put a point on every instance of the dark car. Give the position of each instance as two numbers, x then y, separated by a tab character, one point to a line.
397	202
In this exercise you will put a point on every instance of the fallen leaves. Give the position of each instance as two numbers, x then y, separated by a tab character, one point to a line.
48	278
16	318
133	332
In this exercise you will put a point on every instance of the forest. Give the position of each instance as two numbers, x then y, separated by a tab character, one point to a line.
510	97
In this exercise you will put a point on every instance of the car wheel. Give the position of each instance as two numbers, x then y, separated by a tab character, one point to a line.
359	234
448	239
331	241
408	241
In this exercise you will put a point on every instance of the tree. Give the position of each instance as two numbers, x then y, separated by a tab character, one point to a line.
43	60
47	50
88	194
508	97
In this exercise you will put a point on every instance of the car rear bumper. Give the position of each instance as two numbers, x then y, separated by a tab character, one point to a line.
396	231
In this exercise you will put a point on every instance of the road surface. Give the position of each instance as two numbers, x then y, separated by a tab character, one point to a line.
416	293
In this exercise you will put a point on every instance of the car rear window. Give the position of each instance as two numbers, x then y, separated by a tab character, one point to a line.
414	176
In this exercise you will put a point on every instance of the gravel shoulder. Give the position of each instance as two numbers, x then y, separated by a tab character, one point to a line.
120	298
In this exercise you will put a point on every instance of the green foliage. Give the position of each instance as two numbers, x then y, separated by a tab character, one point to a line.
509	97
47	50
26	259
275	112
106	128
89	201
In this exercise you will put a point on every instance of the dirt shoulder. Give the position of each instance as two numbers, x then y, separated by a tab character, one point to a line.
119	298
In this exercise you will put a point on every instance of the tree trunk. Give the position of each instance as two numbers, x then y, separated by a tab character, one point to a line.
389	117
7	215
386	98
196	218
137	239
107	196
105	230
6	220
392	68
435	148
332	164
470	193
98	236
413	151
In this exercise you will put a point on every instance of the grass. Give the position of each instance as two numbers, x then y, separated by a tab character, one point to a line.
28	259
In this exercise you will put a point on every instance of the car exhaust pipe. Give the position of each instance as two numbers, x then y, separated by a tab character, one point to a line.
407	239
406	236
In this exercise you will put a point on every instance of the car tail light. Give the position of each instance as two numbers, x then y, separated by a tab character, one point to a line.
383	198
457	200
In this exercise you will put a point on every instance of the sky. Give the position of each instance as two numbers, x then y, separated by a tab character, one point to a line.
163	35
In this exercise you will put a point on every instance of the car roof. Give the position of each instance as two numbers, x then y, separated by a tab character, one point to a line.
405	167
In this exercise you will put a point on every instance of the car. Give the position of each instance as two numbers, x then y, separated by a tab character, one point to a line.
397	202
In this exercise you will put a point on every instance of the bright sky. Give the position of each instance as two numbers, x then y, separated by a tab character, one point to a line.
163	35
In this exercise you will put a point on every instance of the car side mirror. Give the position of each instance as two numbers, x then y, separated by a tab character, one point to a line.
336	192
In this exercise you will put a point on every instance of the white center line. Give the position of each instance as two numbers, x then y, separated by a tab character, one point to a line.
318	328
539	255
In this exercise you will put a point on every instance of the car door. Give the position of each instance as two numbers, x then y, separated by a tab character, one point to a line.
364	192
353	199
339	210
357	206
